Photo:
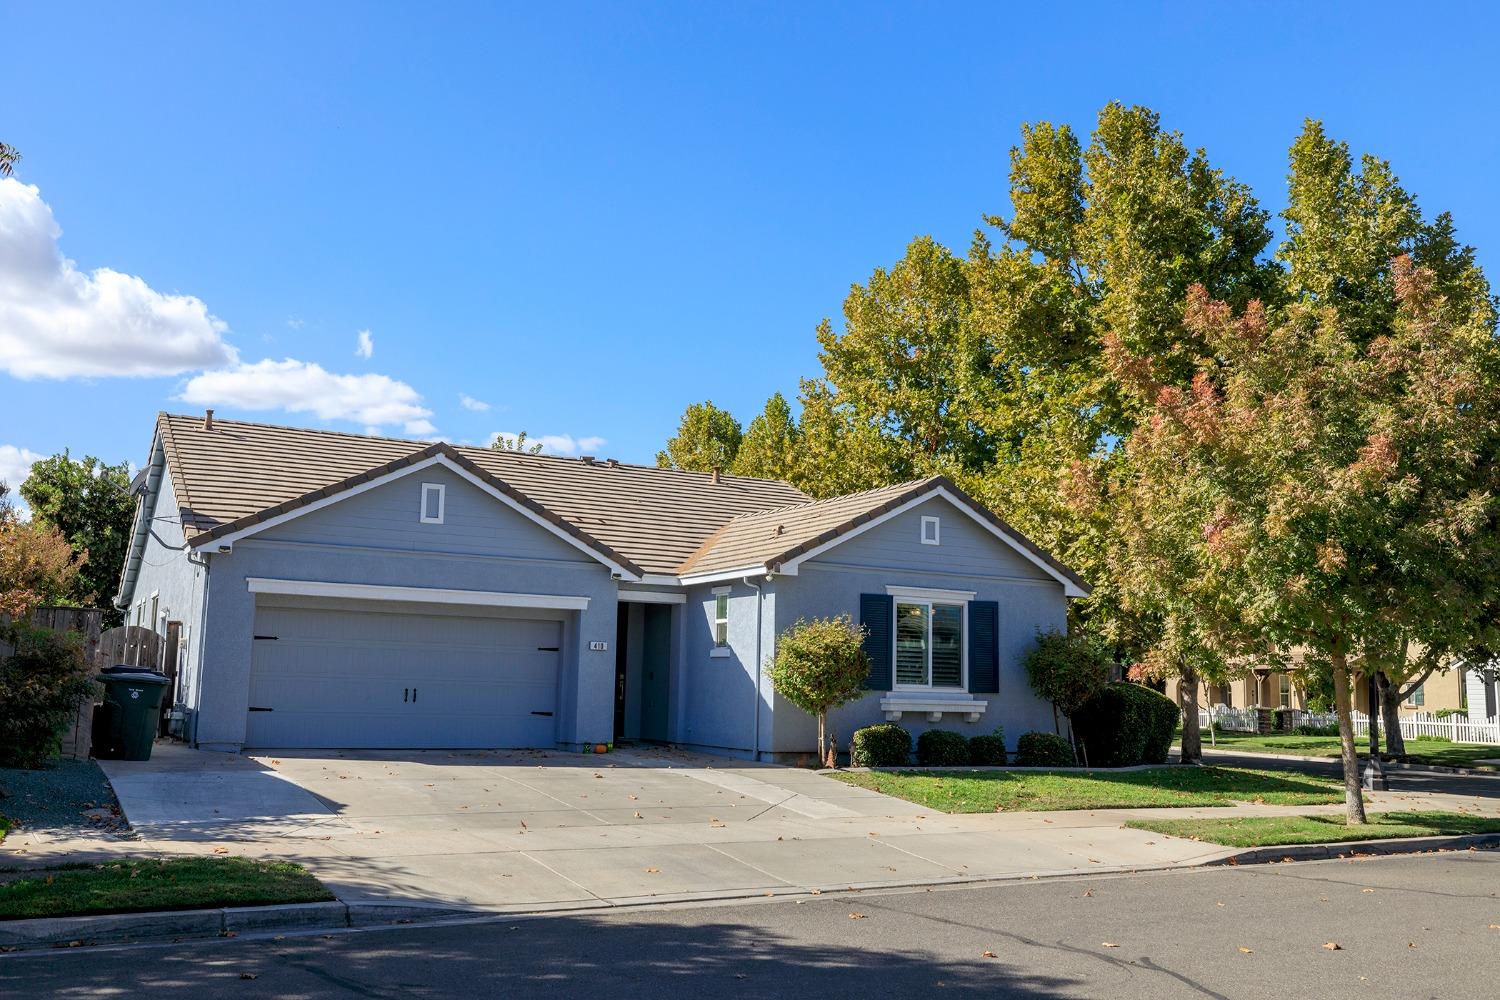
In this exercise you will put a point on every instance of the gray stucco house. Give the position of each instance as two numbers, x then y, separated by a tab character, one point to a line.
336	590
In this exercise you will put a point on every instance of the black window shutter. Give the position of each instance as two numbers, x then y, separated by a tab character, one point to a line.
984	647
875	612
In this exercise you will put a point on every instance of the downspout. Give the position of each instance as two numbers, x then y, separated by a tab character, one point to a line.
760	603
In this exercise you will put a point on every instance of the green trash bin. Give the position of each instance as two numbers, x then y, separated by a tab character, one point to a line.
126	722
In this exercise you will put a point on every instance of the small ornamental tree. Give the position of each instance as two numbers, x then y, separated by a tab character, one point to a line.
820	665
1067	669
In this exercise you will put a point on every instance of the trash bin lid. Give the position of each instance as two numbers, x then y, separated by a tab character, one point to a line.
134	675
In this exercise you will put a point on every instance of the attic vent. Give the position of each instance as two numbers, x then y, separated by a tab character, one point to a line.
586	459
612	462
781	529
208	420
716	474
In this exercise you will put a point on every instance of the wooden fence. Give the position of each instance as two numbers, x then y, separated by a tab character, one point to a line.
1458	728
132	645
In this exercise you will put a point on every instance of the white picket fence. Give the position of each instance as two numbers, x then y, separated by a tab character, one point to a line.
1458	728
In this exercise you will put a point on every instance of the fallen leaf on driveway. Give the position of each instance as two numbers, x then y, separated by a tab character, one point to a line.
1495	927
856	916
639	816
1088	892
653	871
221	850
1367	890
1247	951
1109	944
1333	946
988	954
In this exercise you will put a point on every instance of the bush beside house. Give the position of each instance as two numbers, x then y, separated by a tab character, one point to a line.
884	745
1124	725
941	748
41	683
820	665
1043	750
987	750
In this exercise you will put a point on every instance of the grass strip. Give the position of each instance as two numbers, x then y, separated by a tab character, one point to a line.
1036	791
155	884
1280	831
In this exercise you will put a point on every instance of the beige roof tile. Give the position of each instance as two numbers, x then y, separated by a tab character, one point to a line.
650	520
653	518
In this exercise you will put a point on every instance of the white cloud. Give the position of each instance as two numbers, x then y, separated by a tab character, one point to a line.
470	403
59	322
558	444
377	401
365	346
15	466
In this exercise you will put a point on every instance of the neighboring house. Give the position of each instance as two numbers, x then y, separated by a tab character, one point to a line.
336	590
1280	689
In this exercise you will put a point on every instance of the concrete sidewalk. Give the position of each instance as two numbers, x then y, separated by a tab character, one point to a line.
536	830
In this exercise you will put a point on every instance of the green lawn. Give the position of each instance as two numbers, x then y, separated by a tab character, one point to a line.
169	884
1265	831
1035	791
4	828
1418	751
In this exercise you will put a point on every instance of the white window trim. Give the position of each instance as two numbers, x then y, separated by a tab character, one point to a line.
963	641
971	708
442	502
932	594
720	592
937	530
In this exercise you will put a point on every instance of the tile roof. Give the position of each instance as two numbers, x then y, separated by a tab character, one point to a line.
649	520
653	518
771	538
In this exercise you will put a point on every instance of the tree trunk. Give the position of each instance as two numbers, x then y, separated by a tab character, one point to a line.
1354	800
822	745
1390	716
1192	738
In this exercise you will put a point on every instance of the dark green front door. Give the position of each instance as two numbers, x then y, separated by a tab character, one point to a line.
656	667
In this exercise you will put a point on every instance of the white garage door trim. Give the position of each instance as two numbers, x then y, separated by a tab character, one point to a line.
426	595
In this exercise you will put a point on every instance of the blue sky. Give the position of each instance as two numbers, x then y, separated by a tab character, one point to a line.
588	216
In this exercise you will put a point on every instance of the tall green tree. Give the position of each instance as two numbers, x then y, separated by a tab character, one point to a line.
89	503
1330	490
707	438
769	447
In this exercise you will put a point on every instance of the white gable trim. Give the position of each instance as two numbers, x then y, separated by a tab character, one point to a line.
426	463
650	597
1070	588
424	595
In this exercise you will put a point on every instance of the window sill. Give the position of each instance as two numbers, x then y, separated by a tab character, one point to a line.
720	651
959	703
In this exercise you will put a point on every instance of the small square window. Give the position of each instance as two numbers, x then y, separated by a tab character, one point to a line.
931	527
432	503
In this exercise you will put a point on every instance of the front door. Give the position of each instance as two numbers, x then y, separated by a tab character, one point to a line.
656	663
622	639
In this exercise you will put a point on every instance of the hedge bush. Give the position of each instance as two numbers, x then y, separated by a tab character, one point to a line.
41	684
1124	725
941	748
1043	750
988	750
884	745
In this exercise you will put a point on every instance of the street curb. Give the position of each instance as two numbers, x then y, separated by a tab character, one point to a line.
224	921
1359	848
1472	772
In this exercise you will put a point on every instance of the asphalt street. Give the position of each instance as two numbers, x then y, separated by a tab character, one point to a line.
1401	780
1404	927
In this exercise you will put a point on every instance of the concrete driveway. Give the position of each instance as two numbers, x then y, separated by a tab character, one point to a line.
501	830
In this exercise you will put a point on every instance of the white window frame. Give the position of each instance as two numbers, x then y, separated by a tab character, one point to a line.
720	597
915	595
1418	696
936	536
442	502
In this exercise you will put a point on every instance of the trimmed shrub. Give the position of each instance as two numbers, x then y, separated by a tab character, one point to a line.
1124	725
820	665
988	750
1316	730
884	745
1043	750
41	684
941	748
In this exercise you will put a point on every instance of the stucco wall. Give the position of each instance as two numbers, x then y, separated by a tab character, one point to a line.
718	693
891	554
177	581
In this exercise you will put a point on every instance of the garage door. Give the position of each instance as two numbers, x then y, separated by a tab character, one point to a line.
326	678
